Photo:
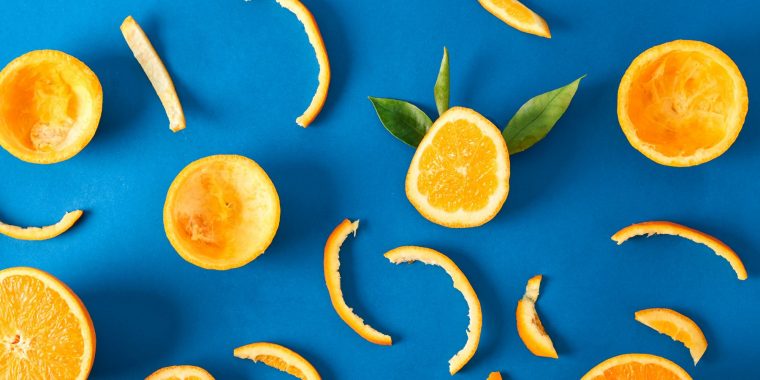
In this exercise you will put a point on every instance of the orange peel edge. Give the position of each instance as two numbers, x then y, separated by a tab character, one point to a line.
41	233
279	357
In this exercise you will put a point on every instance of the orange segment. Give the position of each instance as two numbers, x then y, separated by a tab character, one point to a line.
428	256
459	176
155	70
221	212
669	228
529	326
41	233
637	366
332	279
682	103
494	376
677	326
181	372
518	16
315	39
50	106
278	357
45	330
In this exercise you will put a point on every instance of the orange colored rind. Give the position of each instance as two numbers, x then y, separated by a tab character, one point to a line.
180	372
41	233
518	16
678	327
529	325
279	357
494	376
637	366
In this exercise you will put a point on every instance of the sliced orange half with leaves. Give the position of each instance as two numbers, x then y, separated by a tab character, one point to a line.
518	16
682	103
637	366
409	254
315	39
529	325
279	357
45	330
670	228
181	372
332	279
154	68
494	376
459	176
41	233
677	326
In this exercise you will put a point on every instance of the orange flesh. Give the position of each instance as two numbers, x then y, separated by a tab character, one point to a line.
181	372
677	326
636	366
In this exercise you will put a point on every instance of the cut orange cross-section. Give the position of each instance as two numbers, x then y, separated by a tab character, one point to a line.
459	176
315	38
670	228
332	279
677	326
429	256
45	330
278	357
518	16
494	376
636	366
41	233
529	326
155	70
181	372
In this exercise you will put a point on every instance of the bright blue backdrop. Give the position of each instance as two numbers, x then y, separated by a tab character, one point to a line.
244	71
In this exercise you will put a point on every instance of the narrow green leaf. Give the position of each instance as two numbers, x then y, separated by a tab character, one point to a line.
441	89
537	116
402	119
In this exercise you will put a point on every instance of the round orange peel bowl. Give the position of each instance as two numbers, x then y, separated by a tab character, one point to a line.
682	103
221	212
50	106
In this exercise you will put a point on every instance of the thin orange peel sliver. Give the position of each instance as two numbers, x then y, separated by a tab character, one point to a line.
677	326
529	326
279	357
41	233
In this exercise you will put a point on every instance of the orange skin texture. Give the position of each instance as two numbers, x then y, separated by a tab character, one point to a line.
518	16
677	326
332	279
180	372
670	228
637	366
529	325
41	233
279	357
494	376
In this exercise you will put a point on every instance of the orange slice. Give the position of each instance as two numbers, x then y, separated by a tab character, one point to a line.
669	228
677	326
45	330
459	176
332	279
315	39
278	357
494	376
637	366
155	70
428	256
518	16
50	106
529	326
682	103
41	233
181	372
221	212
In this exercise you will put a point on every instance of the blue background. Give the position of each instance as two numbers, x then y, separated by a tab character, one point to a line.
244	71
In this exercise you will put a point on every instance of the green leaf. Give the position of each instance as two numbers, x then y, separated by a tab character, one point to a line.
441	89
402	119
537	116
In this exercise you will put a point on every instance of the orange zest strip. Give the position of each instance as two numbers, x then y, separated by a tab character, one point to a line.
670	228
41	233
677	326
332	279
518	16
315	39
180	372
428	256
279	357
494	376
155	70
529	325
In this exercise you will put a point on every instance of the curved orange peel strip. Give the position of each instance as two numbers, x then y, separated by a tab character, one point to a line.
180	372
677	326
332	279
155	70
41	233
279	357
429	256
529	326
494	376
670	228
518	16
315	39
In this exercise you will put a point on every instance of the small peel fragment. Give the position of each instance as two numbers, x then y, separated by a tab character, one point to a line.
518	16
494	376
155	70
332	279
279	357
41	233
529	325
677	326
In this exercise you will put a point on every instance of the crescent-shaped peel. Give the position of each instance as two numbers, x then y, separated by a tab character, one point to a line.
41	233
279	357
529	326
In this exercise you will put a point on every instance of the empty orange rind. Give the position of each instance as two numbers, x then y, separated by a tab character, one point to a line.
41	233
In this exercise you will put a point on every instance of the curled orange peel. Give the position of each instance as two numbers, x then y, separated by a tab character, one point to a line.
677	326
529	326
409	254
41	233
670	228
332	279
279	357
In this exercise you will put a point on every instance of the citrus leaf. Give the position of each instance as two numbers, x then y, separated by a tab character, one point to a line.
537	116
441	89
402	119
